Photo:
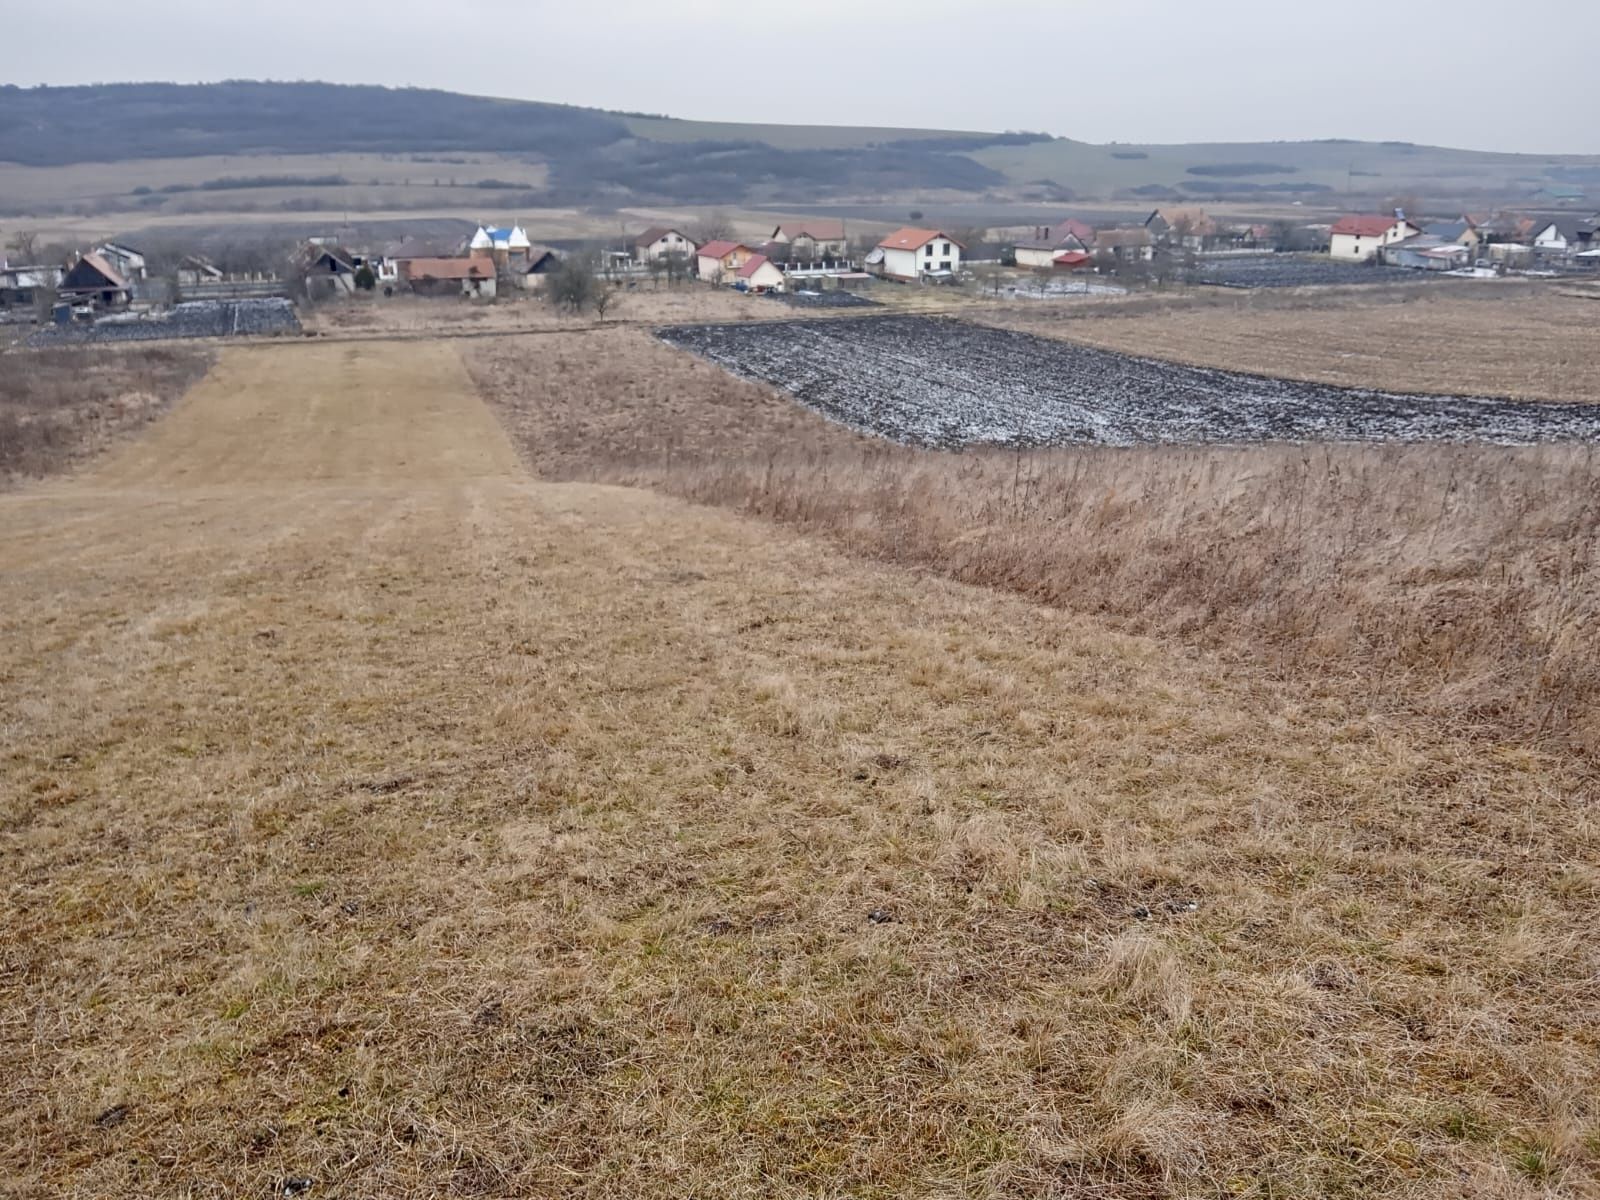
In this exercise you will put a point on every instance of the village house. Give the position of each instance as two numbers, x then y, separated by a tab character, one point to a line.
1504	237
23	287
195	271
655	244
1050	242
1425	253
719	262
127	262
759	274
92	280
913	254
1464	232
1181	229
530	273
505	246
328	269
1358	238
1563	235
476	276
811	238
1126	245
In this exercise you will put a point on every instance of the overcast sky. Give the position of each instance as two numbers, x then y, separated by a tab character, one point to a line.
1485	74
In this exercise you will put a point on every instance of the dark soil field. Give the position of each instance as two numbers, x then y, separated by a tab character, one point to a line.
945	383
1298	270
196	319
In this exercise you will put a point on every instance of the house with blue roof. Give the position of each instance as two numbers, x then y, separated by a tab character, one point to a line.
505	245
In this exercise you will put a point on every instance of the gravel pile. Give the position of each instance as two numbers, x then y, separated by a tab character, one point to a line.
197	319
935	382
834	298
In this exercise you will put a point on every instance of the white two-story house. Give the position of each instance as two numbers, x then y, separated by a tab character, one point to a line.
913	254
1359	238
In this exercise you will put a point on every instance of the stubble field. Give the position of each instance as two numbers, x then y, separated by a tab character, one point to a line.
1533	342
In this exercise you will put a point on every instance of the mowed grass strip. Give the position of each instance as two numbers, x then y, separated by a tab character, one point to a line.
419	830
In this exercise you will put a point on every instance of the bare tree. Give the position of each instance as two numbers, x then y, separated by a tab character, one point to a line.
1043	277
713	227
44	303
26	244
603	298
676	265
989	277
970	236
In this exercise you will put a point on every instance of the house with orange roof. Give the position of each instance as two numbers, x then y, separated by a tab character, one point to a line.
719	261
474	276
916	254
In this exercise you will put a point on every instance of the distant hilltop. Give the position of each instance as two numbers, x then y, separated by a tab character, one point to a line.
592	157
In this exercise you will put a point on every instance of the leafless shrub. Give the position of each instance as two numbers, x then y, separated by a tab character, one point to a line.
59	404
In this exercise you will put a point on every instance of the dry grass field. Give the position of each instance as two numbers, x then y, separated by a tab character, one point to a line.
379	819
374	181
1519	340
1452	582
59	407
647	304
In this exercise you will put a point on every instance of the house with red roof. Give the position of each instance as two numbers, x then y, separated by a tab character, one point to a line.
1359	237
759	274
916	254
1050	242
719	262
474	276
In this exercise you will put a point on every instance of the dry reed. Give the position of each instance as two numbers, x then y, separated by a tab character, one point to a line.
1454	580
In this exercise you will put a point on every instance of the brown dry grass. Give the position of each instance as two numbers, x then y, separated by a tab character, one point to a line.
645	304
58	407
1495	339
376	815
1454	581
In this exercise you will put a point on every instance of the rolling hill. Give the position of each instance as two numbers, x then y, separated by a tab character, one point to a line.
279	143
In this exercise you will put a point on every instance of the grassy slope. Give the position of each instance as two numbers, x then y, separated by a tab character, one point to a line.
1096	169
382	817
1090	170
784	137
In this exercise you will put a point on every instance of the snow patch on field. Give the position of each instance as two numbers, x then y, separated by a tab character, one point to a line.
940	382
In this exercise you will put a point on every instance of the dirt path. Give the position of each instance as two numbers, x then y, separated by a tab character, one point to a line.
375	815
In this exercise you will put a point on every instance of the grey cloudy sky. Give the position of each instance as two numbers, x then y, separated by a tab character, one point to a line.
1483	74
